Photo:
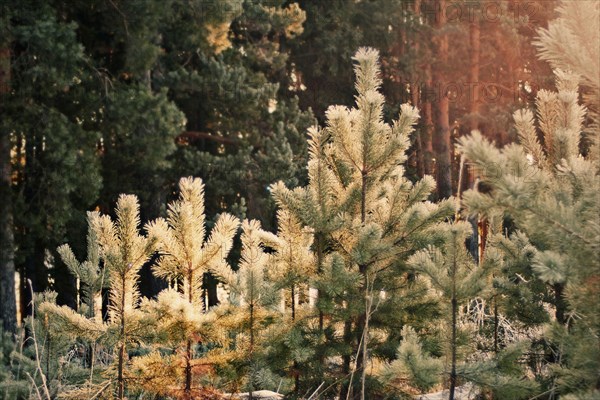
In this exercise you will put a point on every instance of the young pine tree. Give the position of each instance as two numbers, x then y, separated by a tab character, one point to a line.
455	280
186	255
550	189
253	298
360	206
90	277
291	268
62	323
123	251
454	276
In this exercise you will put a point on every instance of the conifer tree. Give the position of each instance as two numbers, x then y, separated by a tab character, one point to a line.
88	273
291	269
412	366
62	322
186	255
551	192
456	281
357	159
291	265
91	279
572	43
254	298
453	274
123	251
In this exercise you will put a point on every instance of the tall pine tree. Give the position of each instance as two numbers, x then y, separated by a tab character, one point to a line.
379	217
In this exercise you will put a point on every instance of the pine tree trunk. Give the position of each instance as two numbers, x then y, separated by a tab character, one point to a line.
120	378
453	347
475	50
250	397
188	348
421	100
296	370
453	328
121	364
346	359
319	240
8	306
474	85
496	325
560	303
320	352
441	137
365	339
188	370
363	324
427	133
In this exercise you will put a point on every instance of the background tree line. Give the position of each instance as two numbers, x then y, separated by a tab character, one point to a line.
101	98
108	97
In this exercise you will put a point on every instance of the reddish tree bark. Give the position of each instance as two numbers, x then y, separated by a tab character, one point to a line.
441	135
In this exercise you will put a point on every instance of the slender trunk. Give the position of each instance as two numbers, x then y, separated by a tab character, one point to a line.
453	328
474	85
496	325
251	344
427	132
453	349
420	153
295	367
319	244
482	233
320	352
48	346
293	303
8	306
120	379
363	320
475	47
441	138
92	359
346	359
121	364
560	304
365	338
188	348
416	101
188	370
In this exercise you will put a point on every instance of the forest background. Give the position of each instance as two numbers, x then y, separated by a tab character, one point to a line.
100	98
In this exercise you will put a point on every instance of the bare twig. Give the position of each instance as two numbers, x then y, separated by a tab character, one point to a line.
37	391
316	391
102	389
35	345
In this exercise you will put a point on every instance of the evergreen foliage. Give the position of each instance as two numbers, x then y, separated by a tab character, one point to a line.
123	251
254	299
359	287
88	273
551	191
186	257
412	365
363	209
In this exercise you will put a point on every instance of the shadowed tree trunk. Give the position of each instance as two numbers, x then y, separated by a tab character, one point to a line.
8	307
422	100
428	127
441	135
